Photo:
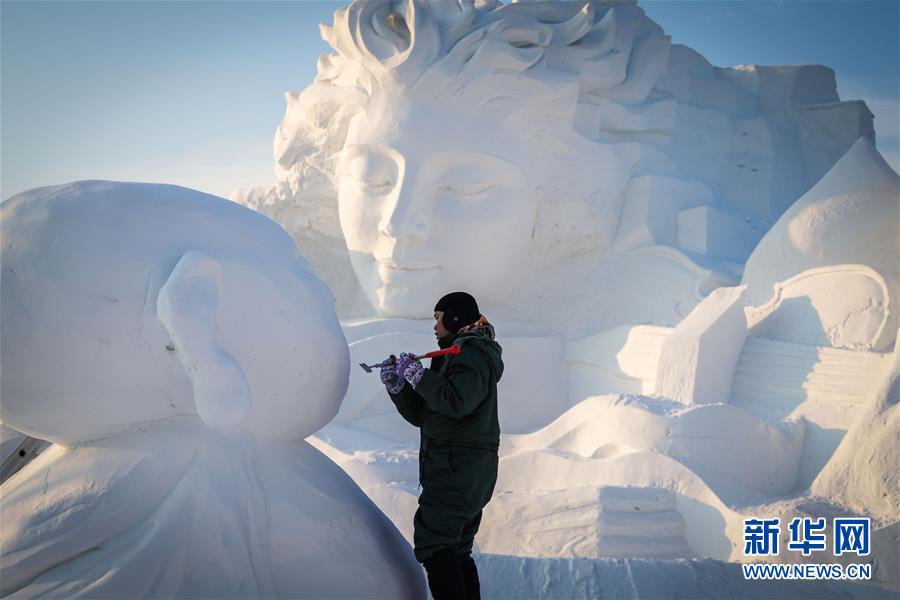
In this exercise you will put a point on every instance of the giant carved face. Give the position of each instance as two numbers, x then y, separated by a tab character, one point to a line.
466	140
431	200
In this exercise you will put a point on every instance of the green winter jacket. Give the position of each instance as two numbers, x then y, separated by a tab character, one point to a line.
457	404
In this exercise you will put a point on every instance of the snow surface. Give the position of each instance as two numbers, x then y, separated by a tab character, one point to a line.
842	230
184	510
178	350
512	577
697	360
9	440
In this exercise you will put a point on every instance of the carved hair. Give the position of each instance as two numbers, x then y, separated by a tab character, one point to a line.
523	62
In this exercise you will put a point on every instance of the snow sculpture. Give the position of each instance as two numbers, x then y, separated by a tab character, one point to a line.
481	146
843	306
697	360
834	252
178	350
863	470
146	331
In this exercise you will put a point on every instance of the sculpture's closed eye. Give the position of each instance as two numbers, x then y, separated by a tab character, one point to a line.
375	183
466	189
373	173
470	175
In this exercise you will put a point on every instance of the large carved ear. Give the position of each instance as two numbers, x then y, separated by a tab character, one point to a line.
187	306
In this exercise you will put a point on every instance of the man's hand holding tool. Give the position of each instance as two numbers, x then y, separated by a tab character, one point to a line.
410	368
389	376
395	372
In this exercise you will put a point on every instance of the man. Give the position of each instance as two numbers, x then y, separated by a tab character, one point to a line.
454	403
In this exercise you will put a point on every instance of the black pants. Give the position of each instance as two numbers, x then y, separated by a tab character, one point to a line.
452	576
457	483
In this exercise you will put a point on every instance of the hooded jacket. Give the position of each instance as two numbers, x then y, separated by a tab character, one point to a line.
455	401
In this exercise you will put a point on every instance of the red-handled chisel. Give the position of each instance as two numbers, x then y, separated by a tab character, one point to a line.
451	350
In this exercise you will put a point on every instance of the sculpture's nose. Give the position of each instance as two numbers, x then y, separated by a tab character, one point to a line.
405	213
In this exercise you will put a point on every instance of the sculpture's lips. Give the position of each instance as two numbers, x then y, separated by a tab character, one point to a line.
389	264
406	269
406	277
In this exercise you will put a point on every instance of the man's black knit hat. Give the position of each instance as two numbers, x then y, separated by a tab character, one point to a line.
459	308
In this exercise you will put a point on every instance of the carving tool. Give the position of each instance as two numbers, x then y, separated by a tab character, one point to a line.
451	350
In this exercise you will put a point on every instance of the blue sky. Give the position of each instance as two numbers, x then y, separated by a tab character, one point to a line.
191	92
